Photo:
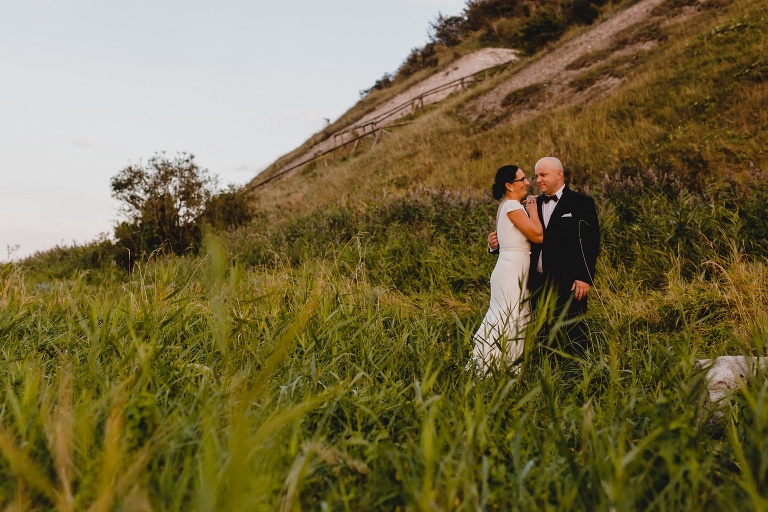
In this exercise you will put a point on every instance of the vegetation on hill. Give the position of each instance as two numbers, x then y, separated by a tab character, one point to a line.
166	204
314	358
688	100
528	26
520	24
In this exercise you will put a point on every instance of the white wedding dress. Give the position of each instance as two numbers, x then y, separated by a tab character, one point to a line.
501	335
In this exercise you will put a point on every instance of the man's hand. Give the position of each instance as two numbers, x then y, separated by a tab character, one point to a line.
580	289
493	241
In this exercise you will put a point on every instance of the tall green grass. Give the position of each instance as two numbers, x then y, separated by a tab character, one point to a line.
315	360
320	366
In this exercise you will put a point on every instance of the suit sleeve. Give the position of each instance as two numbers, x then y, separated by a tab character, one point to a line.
589	238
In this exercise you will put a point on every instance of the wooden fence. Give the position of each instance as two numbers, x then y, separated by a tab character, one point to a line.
375	127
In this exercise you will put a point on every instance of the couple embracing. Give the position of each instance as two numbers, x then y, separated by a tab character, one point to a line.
547	246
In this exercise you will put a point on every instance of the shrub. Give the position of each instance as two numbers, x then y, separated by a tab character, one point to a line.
583	11
382	83
448	30
162	202
227	210
418	59
541	28
480	14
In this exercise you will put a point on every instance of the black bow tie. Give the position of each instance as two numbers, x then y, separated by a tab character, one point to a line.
547	199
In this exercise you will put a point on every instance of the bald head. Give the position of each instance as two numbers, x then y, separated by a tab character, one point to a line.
551	162
549	174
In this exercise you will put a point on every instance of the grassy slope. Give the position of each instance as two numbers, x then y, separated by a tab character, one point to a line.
695	105
317	362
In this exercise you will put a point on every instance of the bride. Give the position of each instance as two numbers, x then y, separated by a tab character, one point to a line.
500	336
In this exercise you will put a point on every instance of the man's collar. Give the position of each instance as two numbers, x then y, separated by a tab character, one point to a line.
559	192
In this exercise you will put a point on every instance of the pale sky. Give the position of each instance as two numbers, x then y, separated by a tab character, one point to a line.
88	87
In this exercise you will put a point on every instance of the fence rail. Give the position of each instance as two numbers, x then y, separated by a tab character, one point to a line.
373	126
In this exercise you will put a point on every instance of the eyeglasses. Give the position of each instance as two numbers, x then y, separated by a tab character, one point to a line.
519	179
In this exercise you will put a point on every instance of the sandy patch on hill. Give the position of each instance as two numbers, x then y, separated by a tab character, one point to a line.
383	115
552	66
466	66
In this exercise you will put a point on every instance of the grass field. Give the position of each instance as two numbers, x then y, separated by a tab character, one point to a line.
314	360
324	369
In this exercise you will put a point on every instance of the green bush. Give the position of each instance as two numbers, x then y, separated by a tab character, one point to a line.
583	12
227	210
542	28
418	60
161	201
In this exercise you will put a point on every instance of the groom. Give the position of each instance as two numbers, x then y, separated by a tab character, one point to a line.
565	261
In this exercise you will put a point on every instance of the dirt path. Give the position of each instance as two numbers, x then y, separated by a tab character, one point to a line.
468	65
554	63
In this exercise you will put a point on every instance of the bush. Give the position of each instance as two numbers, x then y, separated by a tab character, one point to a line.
541	28
227	210
162	202
382	83
529	96
583	11
417	60
447	31
480	14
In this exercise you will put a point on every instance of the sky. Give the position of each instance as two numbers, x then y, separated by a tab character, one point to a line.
88	87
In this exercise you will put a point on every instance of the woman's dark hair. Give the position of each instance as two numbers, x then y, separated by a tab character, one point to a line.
504	175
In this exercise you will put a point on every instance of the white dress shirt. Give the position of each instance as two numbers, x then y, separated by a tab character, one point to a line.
546	213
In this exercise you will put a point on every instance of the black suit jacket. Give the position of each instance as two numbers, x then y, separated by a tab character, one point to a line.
571	243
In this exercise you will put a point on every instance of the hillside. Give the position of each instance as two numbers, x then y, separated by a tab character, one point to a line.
315	357
660	84
461	73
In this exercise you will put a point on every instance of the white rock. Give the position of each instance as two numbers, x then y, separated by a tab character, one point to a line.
726	373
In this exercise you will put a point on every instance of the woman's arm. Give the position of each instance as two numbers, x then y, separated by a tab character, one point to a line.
529	226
